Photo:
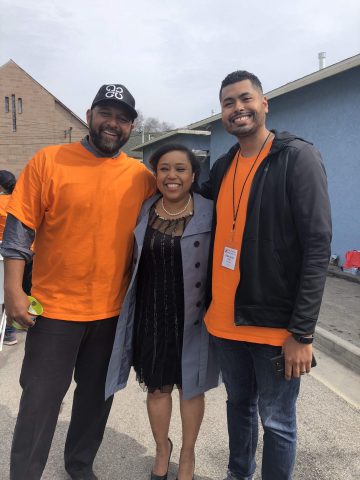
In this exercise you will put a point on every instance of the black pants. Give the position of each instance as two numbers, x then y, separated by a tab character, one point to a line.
54	350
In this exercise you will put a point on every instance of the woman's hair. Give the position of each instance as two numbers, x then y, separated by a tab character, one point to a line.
7	181
177	147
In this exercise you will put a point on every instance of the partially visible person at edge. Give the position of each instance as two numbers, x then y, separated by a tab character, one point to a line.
7	185
271	246
161	329
82	200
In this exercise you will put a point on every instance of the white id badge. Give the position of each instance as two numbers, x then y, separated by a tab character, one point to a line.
229	258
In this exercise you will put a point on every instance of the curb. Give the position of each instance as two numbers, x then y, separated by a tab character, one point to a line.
336	272
341	350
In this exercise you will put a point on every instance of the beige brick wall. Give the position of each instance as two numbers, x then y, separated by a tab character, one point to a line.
42	122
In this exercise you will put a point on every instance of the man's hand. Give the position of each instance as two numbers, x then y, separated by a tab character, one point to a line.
16	307
298	358
16	301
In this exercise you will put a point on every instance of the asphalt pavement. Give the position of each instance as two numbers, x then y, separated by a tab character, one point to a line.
328	419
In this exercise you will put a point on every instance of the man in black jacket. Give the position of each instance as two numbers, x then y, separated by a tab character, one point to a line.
271	246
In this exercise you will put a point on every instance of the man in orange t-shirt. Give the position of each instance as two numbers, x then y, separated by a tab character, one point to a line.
80	202
271	246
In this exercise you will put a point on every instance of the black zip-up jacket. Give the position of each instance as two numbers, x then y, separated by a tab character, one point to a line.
286	244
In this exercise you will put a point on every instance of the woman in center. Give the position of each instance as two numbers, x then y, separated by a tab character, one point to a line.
161	331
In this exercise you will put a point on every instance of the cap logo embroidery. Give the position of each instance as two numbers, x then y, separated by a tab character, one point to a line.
113	91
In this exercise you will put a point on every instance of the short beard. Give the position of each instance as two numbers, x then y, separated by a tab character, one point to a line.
108	147
244	133
258	122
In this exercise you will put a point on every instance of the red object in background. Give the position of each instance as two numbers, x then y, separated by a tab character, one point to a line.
352	259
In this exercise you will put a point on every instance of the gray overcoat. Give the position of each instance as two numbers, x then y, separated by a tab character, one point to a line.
200	370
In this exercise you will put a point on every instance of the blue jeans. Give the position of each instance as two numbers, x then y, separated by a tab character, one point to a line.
251	386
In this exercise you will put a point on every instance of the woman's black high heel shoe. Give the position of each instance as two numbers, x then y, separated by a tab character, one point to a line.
163	477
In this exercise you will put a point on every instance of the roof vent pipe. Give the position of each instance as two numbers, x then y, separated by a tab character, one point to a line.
322	60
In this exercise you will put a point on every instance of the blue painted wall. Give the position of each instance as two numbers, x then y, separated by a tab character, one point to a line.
326	113
220	142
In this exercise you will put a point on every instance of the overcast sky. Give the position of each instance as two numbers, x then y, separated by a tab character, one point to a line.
172	55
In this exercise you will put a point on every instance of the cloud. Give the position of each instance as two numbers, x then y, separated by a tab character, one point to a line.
172	55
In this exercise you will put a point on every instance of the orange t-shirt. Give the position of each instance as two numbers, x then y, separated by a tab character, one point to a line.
4	200
84	211
220	315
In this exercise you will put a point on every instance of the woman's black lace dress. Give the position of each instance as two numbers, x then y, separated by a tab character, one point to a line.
159	314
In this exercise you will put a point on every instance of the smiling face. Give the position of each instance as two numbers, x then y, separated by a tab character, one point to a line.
110	126
174	176
243	109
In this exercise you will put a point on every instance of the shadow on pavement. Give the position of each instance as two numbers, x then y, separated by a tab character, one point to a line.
120	456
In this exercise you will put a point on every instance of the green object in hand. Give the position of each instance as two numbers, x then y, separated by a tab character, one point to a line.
35	307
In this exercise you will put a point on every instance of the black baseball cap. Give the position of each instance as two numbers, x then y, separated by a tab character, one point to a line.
7	180
116	93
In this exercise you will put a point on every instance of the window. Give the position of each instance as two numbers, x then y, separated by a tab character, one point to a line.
13	109
6	104
19	105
